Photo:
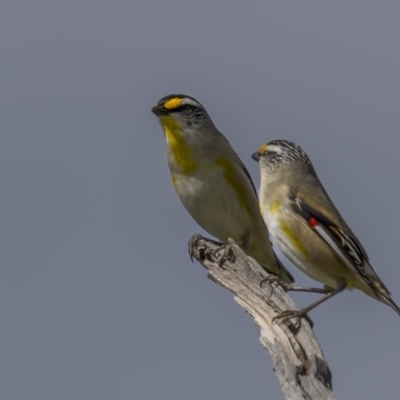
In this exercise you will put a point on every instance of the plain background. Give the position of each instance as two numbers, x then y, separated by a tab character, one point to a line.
98	297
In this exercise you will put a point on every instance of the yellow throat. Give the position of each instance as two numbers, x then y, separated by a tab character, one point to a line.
181	152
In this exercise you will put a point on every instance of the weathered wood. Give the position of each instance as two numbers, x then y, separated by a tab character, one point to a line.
297	358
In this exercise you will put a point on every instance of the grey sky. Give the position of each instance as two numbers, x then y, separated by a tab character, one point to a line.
99	299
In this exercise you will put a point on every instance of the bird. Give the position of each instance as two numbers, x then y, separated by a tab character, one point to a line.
309	230
212	182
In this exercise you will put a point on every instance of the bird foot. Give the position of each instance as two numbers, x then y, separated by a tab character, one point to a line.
195	239
285	317
227	254
192	244
274	279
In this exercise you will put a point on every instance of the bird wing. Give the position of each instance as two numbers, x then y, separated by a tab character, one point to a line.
248	176
346	247
228	148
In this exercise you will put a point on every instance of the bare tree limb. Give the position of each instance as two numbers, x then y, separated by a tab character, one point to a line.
296	355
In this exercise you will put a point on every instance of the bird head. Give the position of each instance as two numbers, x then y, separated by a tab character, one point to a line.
182	112
278	152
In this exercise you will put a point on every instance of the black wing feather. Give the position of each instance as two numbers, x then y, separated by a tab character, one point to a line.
346	247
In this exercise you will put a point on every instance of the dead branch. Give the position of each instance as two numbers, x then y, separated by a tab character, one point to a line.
297	358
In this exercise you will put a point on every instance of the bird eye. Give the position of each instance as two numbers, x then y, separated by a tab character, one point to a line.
187	109
267	152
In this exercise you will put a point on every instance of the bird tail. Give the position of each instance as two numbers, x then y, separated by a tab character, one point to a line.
277	269
379	290
263	253
387	299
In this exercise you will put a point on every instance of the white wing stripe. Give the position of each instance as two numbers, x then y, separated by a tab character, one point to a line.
328	237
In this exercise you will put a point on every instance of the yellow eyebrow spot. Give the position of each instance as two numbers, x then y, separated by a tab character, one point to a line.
173	103
262	148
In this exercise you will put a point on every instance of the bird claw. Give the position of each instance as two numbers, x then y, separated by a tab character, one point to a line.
274	279
286	316
227	254
192	244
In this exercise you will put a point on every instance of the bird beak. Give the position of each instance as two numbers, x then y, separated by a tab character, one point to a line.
159	110
255	157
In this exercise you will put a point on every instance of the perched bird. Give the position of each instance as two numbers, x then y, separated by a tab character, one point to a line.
308	228
212	182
